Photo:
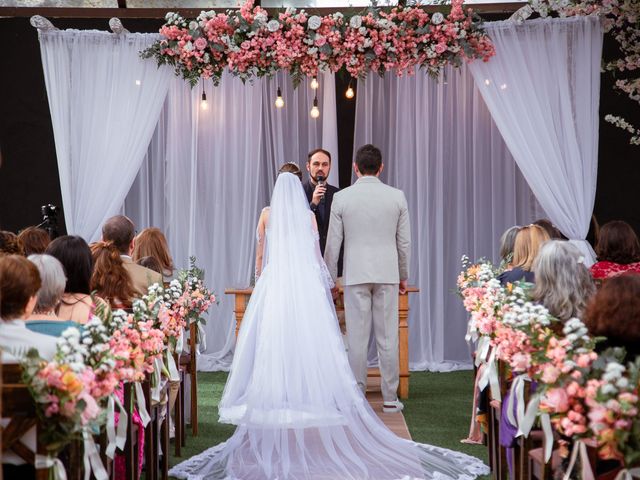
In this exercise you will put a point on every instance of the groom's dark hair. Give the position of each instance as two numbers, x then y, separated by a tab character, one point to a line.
368	159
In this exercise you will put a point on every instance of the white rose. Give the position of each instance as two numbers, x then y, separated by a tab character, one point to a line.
168	16
193	25
188	47
314	22
462	33
273	25
312	51
260	18
437	18
206	58
356	21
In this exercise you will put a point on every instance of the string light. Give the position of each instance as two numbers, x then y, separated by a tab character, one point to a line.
279	100
203	103
314	83
315	111
349	93
138	82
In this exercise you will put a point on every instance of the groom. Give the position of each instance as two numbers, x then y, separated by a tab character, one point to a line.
373	221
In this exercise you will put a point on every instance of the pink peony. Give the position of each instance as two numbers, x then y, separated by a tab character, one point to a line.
550	374
200	43
557	400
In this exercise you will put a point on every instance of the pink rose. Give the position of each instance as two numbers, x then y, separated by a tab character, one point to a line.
557	400
320	40
521	361
441	48
200	43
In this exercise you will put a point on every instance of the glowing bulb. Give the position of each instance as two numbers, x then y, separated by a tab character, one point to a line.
315	111
503	86
487	82
279	100
349	93
314	83
203	103
138	82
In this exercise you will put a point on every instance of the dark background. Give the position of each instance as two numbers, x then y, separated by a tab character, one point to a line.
29	172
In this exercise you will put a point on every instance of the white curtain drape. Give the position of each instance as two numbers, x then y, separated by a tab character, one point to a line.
442	149
104	103
543	91
208	174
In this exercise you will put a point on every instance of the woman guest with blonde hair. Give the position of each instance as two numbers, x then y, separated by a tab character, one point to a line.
151	242
528	242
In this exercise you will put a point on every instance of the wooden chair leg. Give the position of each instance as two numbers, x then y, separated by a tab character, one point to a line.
178	417
164	440
130	450
150	440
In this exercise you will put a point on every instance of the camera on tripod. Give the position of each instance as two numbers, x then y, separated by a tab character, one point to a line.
50	220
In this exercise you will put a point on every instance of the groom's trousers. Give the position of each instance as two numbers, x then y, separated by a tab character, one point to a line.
373	305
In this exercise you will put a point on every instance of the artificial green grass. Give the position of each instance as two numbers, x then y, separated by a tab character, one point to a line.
437	412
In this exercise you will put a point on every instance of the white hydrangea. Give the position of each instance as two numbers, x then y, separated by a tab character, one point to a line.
260	18
273	25
437	18
193	25
356	21
314	22
189	46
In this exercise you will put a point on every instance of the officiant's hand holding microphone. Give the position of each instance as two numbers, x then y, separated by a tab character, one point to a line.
319	191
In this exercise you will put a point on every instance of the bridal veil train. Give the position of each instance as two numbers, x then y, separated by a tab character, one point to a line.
291	392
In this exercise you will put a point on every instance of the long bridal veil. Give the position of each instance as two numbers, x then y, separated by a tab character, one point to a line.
299	411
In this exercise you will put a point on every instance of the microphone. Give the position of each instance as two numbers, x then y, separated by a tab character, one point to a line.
321	181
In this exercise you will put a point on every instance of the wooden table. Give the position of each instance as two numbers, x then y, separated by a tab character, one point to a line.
242	296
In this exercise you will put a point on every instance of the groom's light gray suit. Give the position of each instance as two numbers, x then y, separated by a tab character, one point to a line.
373	221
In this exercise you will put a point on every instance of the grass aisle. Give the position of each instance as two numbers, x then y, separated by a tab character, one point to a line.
437	412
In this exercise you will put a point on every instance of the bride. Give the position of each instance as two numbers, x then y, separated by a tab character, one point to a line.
298	410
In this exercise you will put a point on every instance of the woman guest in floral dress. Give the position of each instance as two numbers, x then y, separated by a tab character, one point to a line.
618	251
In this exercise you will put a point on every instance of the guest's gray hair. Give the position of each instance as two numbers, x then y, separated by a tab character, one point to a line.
53	281
563	282
507	241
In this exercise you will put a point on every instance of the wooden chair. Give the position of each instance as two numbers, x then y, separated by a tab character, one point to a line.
188	365
131	444
156	433
18	405
497	453
179	421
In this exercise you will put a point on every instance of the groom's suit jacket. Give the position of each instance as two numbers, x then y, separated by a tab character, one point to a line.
372	219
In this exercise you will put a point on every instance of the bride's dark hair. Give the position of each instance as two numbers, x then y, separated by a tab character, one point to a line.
291	167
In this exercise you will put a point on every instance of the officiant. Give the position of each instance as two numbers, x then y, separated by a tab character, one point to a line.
320	194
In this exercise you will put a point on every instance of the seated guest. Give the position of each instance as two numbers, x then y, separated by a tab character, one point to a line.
553	231
34	240
617	249
75	256
44	318
19	284
507	242
151	242
528	241
614	312
10	244
120	231
151	263
110	279
563	282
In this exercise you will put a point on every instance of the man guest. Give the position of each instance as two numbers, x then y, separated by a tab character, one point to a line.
121	231
373	221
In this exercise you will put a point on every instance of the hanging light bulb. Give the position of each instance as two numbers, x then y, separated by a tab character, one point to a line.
315	111
203	103
349	93
279	100
314	83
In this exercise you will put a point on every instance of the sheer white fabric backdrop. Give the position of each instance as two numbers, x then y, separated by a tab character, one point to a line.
442	149
543	91
208	174
104	103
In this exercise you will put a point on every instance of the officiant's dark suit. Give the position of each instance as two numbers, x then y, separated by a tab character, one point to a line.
319	162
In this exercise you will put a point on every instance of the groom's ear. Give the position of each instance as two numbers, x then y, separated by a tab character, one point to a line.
380	171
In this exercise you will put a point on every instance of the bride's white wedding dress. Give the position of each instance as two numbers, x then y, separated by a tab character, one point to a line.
291	392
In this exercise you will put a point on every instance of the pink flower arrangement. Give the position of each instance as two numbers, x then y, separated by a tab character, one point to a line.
252	45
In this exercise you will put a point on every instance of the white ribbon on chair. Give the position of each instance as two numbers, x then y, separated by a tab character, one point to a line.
157	380
174	375
579	448
117	438
92	461
483	349
628	474
46	461
142	408
202	336
548	436
526	422
180	342
490	376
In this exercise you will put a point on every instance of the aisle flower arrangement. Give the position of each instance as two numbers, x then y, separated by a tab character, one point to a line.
251	44
585	395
